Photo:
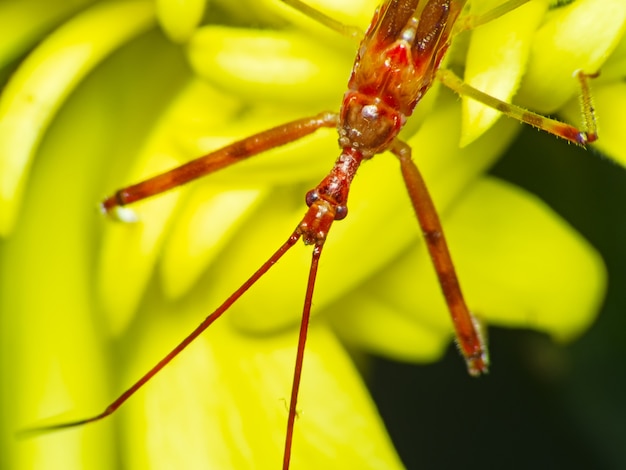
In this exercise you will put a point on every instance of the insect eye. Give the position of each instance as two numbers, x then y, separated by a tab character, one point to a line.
341	212
311	197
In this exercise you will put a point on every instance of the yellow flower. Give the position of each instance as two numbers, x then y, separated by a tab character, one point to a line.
88	305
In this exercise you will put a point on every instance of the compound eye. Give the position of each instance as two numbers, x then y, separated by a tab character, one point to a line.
341	212
311	197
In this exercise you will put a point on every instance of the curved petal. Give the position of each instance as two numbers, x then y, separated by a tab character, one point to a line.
45	79
201	411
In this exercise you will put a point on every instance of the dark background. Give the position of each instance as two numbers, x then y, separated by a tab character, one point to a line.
543	405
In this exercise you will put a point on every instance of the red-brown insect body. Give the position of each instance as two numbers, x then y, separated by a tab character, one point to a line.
395	66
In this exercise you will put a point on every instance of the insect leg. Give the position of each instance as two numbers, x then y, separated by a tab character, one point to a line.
302	336
578	136
219	159
343	29
111	408
472	21
466	326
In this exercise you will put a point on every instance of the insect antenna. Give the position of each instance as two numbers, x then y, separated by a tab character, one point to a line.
118	402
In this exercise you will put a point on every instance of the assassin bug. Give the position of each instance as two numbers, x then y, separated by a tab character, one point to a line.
397	62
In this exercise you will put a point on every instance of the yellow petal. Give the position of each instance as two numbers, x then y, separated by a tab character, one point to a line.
580	35
55	368
223	403
209	219
185	131
495	63
23	23
519	265
380	224
179	18
130	251
275	66
348	12
44	80
610	103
